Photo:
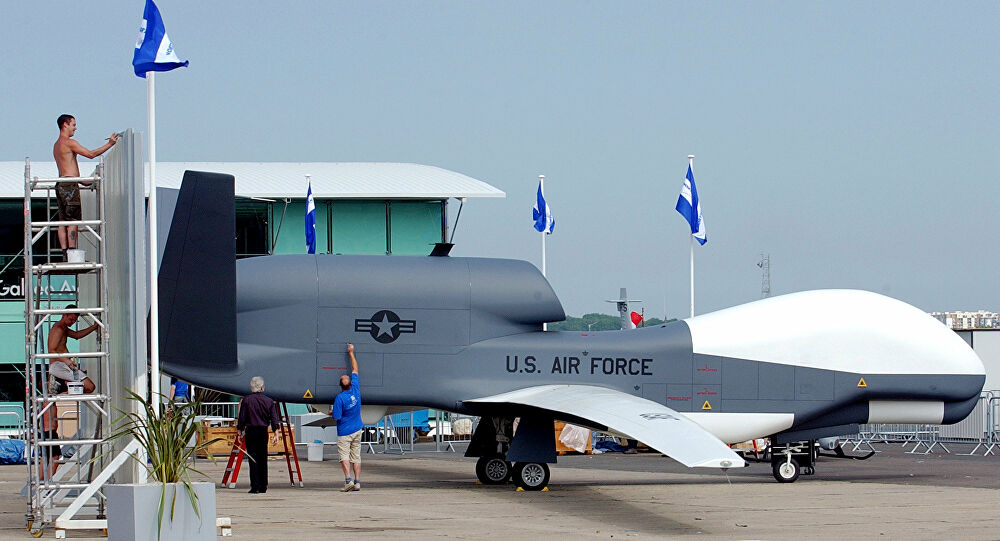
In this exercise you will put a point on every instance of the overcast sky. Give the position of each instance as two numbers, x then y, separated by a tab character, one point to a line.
855	142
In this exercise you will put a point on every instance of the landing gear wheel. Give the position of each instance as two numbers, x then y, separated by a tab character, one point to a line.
531	475
785	471
492	470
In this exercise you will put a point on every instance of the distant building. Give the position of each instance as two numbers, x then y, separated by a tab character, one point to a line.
969	320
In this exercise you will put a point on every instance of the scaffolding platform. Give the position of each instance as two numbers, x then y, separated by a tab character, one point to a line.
54	482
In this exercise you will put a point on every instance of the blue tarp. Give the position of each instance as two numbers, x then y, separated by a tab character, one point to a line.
609	446
11	451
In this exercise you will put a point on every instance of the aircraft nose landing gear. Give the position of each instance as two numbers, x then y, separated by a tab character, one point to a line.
790	459
786	470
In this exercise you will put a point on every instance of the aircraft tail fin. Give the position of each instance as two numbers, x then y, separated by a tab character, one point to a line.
197	278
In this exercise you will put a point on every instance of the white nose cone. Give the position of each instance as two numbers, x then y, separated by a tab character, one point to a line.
835	329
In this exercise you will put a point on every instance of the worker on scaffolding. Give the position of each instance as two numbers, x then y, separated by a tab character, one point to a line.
62	371
65	152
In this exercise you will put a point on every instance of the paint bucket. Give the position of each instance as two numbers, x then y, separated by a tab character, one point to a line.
314	451
74	387
75	255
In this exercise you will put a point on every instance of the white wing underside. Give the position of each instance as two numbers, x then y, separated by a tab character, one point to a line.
655	425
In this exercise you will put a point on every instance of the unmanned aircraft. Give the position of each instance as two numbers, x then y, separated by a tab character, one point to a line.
465	335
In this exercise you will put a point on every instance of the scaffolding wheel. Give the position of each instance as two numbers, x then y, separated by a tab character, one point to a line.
35	532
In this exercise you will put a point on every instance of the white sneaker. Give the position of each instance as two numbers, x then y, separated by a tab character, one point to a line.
348	487
356	485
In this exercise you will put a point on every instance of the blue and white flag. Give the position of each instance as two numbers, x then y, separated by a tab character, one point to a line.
153	50
310	220
690	208
544	222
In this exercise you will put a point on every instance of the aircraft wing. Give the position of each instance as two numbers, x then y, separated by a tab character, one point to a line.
655	425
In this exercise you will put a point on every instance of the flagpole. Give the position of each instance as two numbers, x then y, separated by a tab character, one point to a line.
541	182
154	305
691	165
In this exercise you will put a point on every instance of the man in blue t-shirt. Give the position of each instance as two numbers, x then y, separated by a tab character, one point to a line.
178	392
347	412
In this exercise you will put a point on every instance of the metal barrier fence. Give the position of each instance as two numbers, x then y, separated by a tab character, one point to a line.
227	410
981	427
395	433
398	434
12	420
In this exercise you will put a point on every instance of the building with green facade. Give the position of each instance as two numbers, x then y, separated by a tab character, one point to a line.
361	208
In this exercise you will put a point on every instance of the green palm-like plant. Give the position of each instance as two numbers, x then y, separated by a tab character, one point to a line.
164	436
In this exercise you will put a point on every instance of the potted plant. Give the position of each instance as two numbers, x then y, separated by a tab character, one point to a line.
171	506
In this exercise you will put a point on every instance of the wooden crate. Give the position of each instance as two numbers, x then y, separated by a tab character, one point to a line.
226	430
562	449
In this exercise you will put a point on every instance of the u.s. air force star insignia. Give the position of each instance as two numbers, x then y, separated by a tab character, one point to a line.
385	326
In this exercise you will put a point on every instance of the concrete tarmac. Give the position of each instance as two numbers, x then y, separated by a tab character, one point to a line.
425	495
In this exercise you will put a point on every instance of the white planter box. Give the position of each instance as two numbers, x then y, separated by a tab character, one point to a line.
132	512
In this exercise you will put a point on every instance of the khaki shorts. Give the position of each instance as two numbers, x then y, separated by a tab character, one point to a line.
349	447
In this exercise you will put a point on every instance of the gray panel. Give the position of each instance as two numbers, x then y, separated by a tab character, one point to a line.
707	398
392	282
657	392
813	384
127	278
679	397
776	382
845	386
332	363
411	327
739	379
707	370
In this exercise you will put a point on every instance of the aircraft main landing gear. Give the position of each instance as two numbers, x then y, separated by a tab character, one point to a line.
493	470
531	475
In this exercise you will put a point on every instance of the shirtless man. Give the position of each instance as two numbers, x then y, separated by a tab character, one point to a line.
65	152
61	370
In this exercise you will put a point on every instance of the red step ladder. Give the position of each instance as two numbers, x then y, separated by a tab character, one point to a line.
235	460
288	442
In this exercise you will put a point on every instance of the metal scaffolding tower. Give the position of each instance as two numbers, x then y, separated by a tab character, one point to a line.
765	280
49	493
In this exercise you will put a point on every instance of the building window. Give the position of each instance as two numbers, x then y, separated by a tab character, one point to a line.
251	228
359	227
414	227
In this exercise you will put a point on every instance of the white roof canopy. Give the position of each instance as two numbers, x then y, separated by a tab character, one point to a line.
341	180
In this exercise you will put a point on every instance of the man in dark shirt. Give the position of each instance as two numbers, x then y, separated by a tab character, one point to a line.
257	412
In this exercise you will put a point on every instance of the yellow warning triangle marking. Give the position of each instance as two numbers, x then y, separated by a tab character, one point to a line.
706	406
861	383
308	394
